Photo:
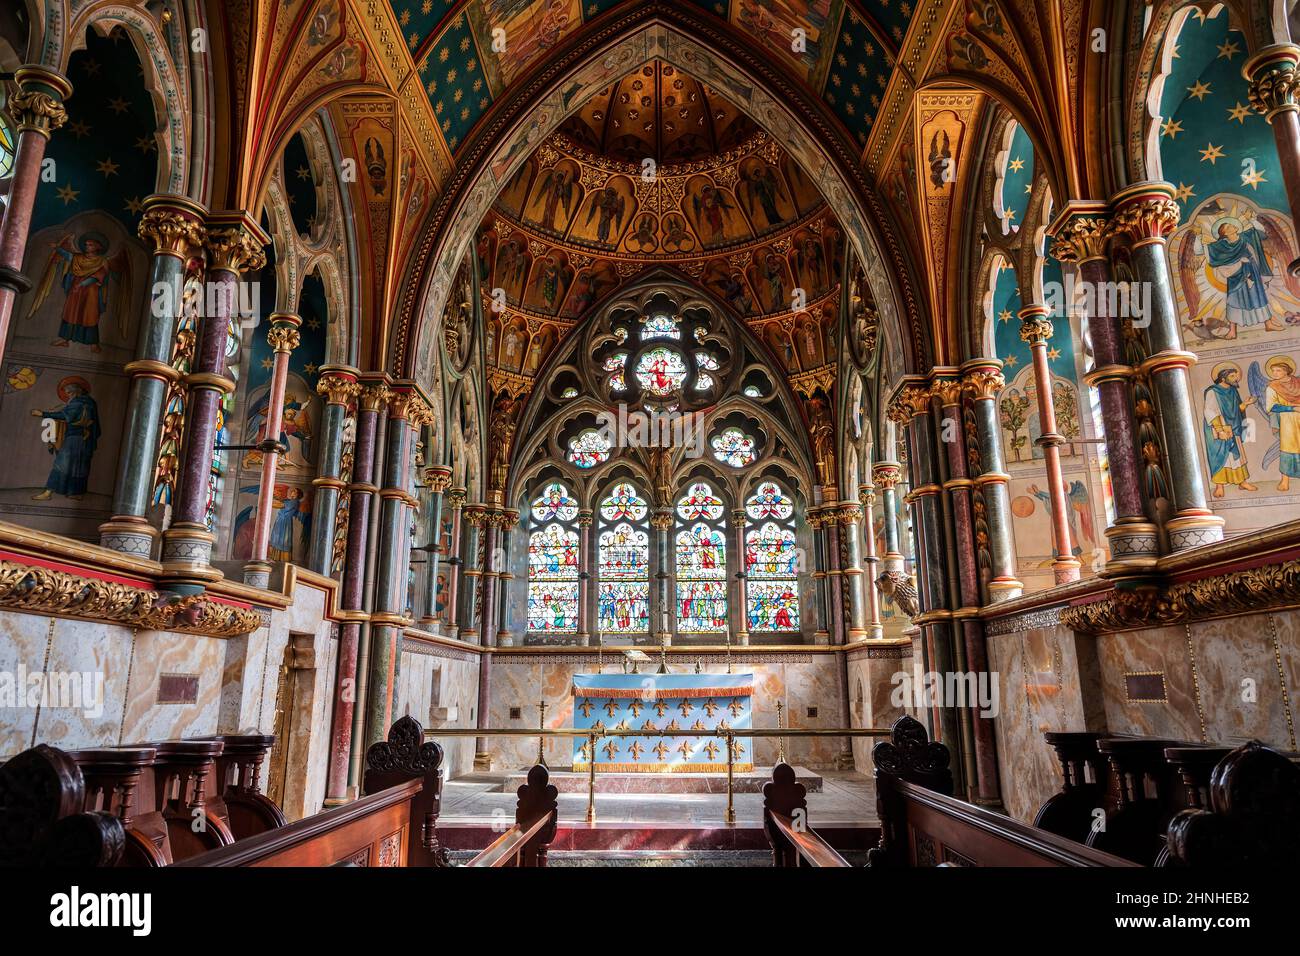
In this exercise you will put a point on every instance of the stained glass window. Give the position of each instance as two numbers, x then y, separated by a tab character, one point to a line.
623	556
569	392
660	327
771	561
6	149
553	562
733	447
588	449
701	562
661	371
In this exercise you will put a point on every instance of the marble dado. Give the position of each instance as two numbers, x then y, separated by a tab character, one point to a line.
524	680
235	679
1225	681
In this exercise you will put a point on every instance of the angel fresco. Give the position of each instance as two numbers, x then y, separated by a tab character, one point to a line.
557	189
76	433
1277	390
83	266
711	207
610	204
761	187
1229	272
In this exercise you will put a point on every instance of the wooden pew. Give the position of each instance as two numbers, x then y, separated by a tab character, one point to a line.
43	820
922	824
235	791
1085	774
113	776
403	757
1251	817
536	818
785	822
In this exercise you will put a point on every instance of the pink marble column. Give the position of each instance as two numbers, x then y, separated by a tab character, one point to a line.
738	520
867	498
37	107
283	339
456	502
1274	77
1035	330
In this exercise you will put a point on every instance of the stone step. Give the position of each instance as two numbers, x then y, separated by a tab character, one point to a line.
566	780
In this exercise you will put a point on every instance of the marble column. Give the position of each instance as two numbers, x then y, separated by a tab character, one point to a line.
407	411
372	396
283	338
850	521
887	475
982	380
585	629
867	498
456	502
340	387
1146	214
507	520
485	517
1274	77
173	227
968	627
662	521
436	480
738	521
36	106
235	244
1035	330
817	520
472	575
1081	234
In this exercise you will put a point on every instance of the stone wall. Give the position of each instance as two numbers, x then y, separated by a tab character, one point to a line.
438	686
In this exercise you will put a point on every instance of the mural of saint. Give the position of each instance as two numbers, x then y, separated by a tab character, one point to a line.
762	190
76	433
83	267
711	207
1223	425
610	204
1281	402
557	190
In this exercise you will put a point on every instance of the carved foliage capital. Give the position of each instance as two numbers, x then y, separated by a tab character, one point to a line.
1081	239
168	231
374	396
282	338
234	248
338	389
1035	329
1147	217
983	383
1274	81
947	390
887	475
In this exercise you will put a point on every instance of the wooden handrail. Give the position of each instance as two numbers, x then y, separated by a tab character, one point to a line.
505	849
811	847
264	846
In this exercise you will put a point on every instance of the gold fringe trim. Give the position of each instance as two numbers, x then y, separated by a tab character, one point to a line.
664	767
646	693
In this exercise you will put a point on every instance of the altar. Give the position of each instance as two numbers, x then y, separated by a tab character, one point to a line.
663	704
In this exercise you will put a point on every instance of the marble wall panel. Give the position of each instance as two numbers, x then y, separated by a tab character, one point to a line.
1238	680
1161	650
157	653
441	691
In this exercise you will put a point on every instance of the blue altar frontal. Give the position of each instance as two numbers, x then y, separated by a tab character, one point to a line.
666	704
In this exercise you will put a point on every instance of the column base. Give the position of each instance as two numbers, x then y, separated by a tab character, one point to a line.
742	639
821	637
1007	589
257	574
858	634
875	632
1193	529
482	762
1134	547
505	639
1066	570
187	559
14	281
127	534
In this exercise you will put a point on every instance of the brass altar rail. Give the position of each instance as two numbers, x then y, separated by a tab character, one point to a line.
592	737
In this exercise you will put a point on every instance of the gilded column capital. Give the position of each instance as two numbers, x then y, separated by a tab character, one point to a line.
585	517
235	242
478	515
1274	77
437	478
661	520
172	225
36	99
982	379
1081	238
456	498
338	383
738	518
948	391
850	514
504	518
866	497
1035	326
374	396
1146	212
887	474
283	334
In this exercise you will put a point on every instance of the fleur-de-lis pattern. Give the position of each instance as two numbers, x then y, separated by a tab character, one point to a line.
605	702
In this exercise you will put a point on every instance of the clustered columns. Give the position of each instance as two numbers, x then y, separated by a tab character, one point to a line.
235	245
173	226
283	338
495	522
340	387
661	520
1146	213
456	502
1035	330
867	498
911	411
348	688
1081	233
850	519
36	105
437	478
817	521
408	409
982	380
887	475
585	517
738	521
1274	77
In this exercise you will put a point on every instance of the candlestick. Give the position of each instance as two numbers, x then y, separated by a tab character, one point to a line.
541	740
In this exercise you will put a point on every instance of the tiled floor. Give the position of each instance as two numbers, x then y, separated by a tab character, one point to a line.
847	798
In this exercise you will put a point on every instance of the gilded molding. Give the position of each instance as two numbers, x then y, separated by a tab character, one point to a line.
41	590
1254	589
